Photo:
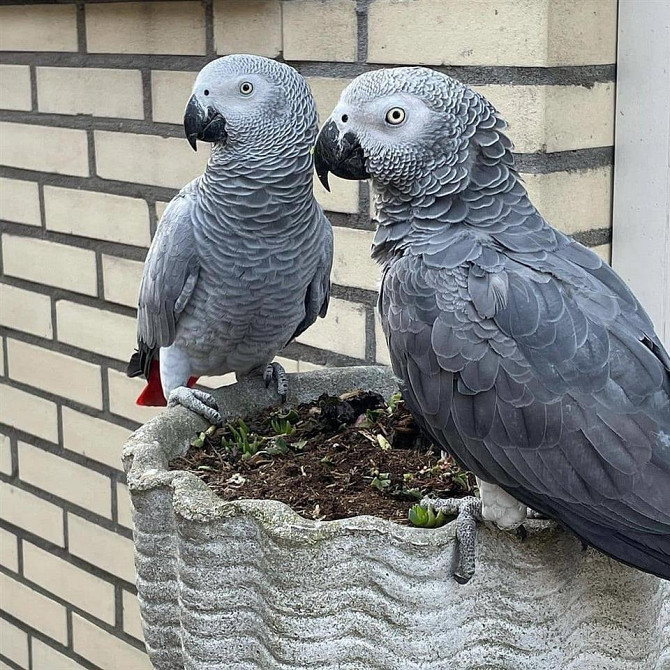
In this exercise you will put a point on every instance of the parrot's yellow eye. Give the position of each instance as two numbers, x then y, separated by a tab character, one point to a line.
246	88
395	116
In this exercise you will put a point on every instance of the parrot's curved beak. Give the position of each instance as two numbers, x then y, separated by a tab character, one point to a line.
340	154
203	123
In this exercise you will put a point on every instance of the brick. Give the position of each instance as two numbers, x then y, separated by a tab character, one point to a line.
132	621
32	513
326	92
509	32
14	643
121	279
69	582
67	480
217	381
523	107
47	658
38	28
170	92
56	373
20	201
33	608
248	26
103	216
97	330
320	30
352	265
123	505
604	251
304	366
29	413
25	310
147	159
9	551
94	438
106	550
44	148
5	455
593	107
541	118
15	87
96	91
122	394
382	351
146	28
573	201
342	331
343	195
49	263
105	650
581	32
160	210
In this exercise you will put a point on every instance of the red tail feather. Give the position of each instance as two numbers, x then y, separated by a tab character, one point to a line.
152	395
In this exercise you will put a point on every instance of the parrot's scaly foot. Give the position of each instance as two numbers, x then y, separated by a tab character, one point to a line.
276	371
197	401
468	511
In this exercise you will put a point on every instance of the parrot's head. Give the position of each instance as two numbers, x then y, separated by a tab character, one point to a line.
413	128
246	101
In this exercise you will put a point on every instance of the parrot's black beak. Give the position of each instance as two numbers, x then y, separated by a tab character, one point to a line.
341	155
203	123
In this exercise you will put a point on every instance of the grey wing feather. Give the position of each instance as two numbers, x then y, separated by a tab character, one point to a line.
561	396
170	275
317	296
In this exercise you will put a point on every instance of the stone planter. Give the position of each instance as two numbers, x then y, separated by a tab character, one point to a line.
250	584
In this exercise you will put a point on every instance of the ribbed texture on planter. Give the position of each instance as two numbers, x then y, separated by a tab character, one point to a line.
250	584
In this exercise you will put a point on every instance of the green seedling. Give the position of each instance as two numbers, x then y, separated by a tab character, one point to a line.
198	442
393	402
281	426
243	440
299	445
277	446
384	444
381	482
425	517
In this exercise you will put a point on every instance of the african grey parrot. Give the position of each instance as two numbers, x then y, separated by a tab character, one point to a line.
241	260
521	352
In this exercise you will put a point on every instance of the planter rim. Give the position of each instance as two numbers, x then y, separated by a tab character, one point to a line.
146	457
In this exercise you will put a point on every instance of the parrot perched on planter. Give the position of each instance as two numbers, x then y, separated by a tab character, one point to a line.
521	352
241	260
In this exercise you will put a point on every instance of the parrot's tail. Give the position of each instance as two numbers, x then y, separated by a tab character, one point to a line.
152	395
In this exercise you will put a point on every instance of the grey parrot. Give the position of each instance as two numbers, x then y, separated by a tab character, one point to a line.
241	260
521	352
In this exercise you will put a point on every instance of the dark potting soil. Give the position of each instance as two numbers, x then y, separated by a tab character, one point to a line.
332	458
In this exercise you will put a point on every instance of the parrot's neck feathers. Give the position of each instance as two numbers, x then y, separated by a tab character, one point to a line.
483	201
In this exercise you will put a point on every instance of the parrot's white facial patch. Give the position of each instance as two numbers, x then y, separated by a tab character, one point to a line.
400	118
233	95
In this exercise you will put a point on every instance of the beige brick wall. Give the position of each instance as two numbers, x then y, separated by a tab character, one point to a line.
92	96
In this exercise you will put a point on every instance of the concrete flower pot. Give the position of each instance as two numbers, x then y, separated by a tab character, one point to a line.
251	585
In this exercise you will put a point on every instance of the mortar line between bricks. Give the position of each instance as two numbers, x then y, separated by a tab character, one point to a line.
561	75
8	661
81	26
210	47
147	95
34	103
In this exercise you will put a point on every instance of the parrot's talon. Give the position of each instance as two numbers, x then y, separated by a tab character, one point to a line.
197	401
275	371
468	511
